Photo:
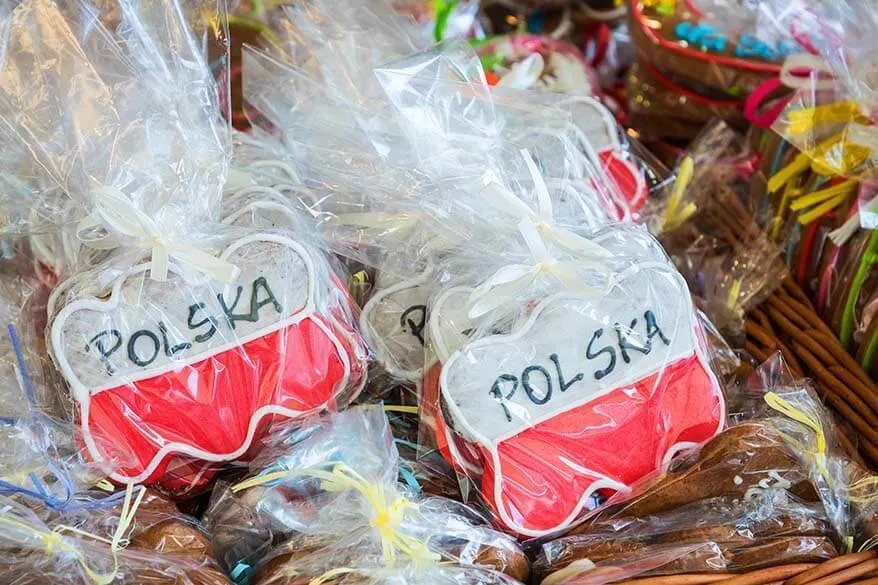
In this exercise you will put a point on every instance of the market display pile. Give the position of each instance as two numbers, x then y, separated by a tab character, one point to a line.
387	293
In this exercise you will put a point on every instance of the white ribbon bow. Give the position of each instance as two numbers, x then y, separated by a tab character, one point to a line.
505	284
543	219
120	217
535	227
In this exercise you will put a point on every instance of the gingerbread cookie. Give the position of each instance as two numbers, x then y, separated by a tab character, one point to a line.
221	360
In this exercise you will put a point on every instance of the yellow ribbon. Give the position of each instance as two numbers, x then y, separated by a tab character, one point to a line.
402	409
804	121
734	293
782	406
869	544
674	217
54	542
843	151
389	507
328	575
825	200
867	484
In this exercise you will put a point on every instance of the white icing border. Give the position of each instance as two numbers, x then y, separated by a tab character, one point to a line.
83	394
491	446
370	335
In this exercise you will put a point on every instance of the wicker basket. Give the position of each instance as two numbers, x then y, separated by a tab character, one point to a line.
786	322
854	568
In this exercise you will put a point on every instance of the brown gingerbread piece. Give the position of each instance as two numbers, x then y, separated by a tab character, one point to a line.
663	34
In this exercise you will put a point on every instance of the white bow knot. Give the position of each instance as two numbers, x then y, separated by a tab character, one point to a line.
120	217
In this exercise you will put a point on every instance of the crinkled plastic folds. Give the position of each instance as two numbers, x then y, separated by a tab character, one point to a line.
326	499
179	341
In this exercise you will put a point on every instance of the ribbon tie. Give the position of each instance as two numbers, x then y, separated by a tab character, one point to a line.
53	541
542	219
388	507
505	284
120	217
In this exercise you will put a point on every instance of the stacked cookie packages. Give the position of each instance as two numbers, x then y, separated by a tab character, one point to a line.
564	357
190	335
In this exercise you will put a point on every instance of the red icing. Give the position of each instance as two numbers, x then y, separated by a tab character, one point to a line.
627	178
209	404
622	436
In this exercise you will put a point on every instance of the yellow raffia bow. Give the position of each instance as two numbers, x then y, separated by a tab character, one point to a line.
54	542
839	154
819	452
823	201
389	507
674	216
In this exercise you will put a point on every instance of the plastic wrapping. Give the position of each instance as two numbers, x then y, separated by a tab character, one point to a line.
537	62
327	498
713	535
526	353
403	223
144	540
663	110
828	119
506	329
62	522
773	489
728	278
185	342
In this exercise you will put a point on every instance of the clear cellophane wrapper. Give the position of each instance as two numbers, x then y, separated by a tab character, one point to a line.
727	278
181	302
518	316
373	209
62	522
537	62
830	117
159	545
776	488
328	498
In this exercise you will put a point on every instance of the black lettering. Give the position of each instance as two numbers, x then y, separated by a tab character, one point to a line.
230	316
132	347
98	342
564	385
171	351
593	355
193	309
652	328
256	304
497	392
531	393
416	326
625	345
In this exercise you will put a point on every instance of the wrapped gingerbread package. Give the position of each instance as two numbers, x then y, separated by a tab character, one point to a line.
326	501
698	60
813	189
563	341
137	539
184	342
63	522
